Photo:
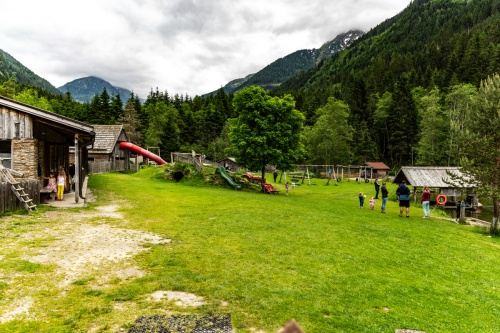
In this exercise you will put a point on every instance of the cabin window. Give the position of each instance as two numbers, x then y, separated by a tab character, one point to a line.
6	153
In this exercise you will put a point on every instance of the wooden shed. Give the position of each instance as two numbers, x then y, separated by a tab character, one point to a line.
229	163
379	169
35	142
106	148
437	178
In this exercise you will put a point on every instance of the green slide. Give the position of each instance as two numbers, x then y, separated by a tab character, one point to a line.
228	179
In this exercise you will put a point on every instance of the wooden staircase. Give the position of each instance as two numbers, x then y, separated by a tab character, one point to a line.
17	189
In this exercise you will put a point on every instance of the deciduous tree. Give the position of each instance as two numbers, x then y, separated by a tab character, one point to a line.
480	153
267	130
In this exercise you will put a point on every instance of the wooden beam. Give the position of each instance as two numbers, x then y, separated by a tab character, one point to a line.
78	169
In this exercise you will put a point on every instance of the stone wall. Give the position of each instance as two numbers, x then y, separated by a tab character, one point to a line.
25	157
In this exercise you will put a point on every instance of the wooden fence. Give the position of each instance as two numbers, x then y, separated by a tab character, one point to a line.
104	167
9	201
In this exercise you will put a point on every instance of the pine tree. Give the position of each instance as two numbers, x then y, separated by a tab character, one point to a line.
130	121
403	124
116	108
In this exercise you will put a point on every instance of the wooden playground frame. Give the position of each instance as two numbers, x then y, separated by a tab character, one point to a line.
336	172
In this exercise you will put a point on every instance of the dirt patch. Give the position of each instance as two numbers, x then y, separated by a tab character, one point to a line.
180	298
81	247
19	307
80	250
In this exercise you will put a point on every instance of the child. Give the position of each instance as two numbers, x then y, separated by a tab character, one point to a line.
61	182
361	199
372	203
52	184
287	187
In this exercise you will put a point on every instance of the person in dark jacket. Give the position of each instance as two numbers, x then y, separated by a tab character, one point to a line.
385	195
403	193
377	188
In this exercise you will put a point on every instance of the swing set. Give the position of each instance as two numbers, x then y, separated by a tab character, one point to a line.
336	172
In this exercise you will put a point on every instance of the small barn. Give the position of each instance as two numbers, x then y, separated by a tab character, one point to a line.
379	169
229	163
106	153
35	142
438	179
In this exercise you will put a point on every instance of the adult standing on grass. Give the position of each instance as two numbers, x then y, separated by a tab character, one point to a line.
403	193
377	188
426	202
385	195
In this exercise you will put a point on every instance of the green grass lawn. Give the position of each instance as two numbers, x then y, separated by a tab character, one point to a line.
313	256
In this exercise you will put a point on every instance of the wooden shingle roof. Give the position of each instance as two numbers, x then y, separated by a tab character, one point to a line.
434	177
378	165
106	138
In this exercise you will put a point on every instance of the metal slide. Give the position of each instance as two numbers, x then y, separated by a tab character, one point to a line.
228	179
142	151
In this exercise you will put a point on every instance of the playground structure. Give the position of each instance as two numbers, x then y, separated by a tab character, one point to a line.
337	173
220	170
268	188
142	151
253	178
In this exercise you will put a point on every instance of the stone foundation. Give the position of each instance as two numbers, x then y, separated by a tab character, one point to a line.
25	157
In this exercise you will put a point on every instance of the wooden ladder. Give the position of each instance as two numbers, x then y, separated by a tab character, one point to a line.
18	190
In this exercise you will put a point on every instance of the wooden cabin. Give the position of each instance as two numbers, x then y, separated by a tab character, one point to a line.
229	164
438	179
106	151
378	169
35	142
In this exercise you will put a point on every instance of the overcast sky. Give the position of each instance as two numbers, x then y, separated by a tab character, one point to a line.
182	46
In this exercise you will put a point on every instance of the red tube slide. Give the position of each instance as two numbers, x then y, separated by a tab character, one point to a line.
141	151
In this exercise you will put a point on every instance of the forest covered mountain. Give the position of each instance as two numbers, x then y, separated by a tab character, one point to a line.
287	67
432	46
431	42
11	68
397	94
84	89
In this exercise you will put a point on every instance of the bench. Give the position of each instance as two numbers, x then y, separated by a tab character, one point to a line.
45	194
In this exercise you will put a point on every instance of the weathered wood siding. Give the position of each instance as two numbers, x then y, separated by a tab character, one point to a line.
8	120
9	201
104	167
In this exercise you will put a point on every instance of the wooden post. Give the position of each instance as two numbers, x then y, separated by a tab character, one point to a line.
462	213
78	169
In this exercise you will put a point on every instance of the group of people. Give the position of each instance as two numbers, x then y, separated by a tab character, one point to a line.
385	195
403	193
57	185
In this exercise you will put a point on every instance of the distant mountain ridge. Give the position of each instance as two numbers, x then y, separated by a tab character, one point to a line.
84	89
284	68
11	68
